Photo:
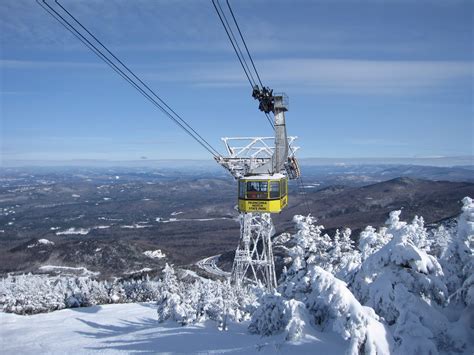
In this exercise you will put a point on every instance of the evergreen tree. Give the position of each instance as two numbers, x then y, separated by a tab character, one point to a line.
402	283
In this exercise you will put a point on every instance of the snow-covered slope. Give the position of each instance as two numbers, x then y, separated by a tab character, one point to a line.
404	289
134	327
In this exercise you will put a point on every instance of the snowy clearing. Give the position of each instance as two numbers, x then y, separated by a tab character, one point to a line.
155	254
133	327
41	242
56	268
135	226
101	227
70	231
160	220
145	269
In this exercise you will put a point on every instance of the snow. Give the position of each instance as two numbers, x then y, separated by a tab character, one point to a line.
101	227
265	177
405	290
109	219
83	270
133	327
155	254
171	220
41	242
135	226
145	269
72	230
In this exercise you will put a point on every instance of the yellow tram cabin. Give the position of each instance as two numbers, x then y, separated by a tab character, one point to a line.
263	193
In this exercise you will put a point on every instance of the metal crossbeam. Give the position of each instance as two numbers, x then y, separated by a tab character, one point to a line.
248	153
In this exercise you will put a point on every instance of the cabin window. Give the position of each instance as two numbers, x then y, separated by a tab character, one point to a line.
274	189
241	189
257	189
283	187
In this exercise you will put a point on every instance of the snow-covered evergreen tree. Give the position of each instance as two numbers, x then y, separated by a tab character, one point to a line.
277	314
171	304
309	239
316	298
403	284
441	239
370	241
345	259
29	294
203	299
462	254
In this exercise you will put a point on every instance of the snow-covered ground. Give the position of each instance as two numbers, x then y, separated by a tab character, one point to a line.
155	254
82	270
72	230
40	242
133	327
171	220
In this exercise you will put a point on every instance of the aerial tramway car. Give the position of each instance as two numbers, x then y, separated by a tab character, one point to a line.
263	193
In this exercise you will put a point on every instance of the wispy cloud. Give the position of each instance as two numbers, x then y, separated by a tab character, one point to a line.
345	76
377	142
40	64
336	75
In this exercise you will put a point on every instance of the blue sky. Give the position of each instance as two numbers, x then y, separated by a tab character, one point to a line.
365	78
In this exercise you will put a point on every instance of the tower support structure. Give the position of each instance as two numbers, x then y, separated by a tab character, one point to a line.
253	260
265	158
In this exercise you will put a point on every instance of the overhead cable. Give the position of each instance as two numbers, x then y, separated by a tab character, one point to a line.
235	45
135	81
243	41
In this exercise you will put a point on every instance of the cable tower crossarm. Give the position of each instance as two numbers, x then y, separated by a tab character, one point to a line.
140	88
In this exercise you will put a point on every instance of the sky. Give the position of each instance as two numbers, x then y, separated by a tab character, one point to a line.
365	78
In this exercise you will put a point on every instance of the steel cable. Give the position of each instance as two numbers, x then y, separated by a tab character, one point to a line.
136	77
233	45
183	124
243	41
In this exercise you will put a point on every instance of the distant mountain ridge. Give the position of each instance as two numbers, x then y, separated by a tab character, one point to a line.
356	207
204	221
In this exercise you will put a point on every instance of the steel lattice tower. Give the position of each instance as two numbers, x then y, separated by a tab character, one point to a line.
254	255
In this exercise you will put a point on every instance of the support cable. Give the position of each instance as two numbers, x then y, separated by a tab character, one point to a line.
243	41
233	45
136	77
178	120
254	82
238	51
305	197
267	115
302	189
